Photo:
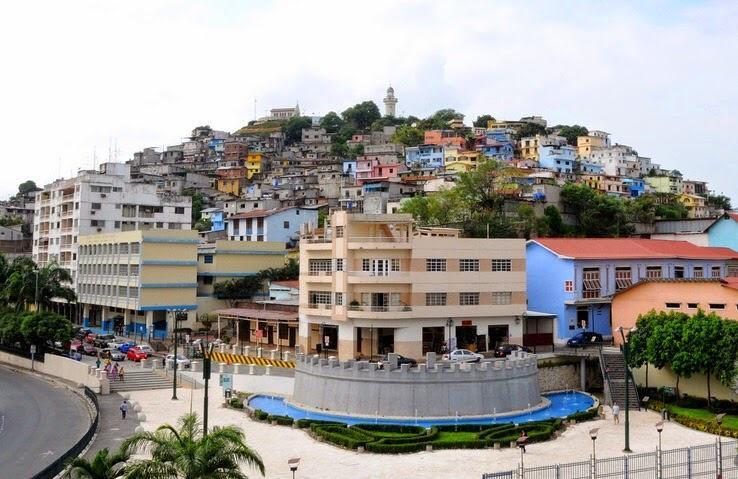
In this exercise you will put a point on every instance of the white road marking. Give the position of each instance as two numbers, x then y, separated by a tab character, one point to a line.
2	423
47	453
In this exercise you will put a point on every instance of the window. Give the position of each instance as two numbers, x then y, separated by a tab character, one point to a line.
133	292
468	265
502	297
339	264
319	297
717	306
339	299
366	264
653	272
95	206
395	264
179	210
678	272
339	231
133	270
207	259
693	305
698	272
318	267
97	223
135	248
468	299
591	283
122	270
207	280
715	271
568	286
622	278
673	305
435	264
435	299
286	225
501	265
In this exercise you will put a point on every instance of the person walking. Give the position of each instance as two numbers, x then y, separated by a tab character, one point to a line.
120	374
123	409
522	440
98	362
115	372
616	413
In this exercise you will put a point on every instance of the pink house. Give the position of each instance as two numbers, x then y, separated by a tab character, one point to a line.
372	169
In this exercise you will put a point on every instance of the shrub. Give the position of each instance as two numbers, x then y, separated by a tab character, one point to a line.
236	403
465	427
390	428
340	435
306	423
462	444
584	415
382	448
281	420
260	415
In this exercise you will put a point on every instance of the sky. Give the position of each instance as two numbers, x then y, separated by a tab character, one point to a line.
88	81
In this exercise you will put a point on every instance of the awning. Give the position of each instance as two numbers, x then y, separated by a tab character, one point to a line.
257	314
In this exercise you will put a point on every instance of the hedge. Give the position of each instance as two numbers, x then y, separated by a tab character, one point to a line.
236	403
281	420
306	423
584	415
709	426
260	415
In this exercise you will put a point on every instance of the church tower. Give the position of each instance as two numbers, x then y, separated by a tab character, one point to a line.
390	102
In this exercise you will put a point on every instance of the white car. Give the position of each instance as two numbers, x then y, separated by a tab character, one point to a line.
146	348
116	343
181	360
463	356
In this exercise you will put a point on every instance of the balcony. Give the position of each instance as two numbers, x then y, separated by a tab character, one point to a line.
373	277
378	242
66	214
379	312
69	197
317	308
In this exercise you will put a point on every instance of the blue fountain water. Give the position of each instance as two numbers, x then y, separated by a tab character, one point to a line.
562	405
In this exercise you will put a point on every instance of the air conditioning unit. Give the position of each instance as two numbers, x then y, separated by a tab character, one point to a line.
92	212
99	230
103	195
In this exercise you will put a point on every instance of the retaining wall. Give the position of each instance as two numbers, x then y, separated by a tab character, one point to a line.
57	366
430	390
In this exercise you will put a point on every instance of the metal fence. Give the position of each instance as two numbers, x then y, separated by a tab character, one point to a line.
719	459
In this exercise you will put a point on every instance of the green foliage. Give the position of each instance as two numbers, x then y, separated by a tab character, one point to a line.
10	332
409	136
260	415
529	129
356	150
554	222
38	328
198	203
570	132
103	466
718	201
183	452
291	270
238	288
27	187
331	122
482	120
204	224
595	215
25	283
280	420
440	119
362	115
322	215
293	127
388	121
236	403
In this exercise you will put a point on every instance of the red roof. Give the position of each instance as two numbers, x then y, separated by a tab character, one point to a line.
730	282
733	215
631	248
290	283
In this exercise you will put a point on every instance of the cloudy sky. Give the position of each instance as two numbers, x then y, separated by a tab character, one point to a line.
84	78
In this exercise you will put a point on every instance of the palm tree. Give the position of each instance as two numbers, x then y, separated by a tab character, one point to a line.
51	284
103	466
185	453
25	280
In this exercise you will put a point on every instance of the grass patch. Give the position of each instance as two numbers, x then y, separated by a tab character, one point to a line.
729	422
445	436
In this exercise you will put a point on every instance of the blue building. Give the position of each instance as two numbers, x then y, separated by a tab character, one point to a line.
575	278
636	186
591	168
724	232
349	168
498	145
562	159
425	156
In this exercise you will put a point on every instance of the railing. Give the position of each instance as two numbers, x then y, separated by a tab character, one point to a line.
719	459
317	306
145	214
380	309
376	239
379	274
66	214
317	240
320	273
56	467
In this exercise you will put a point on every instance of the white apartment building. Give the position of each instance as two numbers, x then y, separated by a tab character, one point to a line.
104	201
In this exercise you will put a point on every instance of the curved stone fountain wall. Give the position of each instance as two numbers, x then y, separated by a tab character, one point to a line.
430	390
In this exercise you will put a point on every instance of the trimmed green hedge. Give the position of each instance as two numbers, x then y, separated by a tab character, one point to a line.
584	415
281	420
260	415
306	423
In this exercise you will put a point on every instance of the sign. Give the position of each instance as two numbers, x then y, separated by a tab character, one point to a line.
226	381
466	322
33	349
258	334
327	341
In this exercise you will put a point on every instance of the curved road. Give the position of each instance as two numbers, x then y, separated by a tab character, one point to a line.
39	421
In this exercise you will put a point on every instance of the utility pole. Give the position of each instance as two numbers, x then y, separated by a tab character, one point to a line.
174	366
206	377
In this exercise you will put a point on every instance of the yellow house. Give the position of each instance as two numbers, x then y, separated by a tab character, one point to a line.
528	147
463	161
254	162
232	186
665	184
136	280
695	205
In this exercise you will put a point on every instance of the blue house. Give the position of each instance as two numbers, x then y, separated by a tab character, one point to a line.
280	224
425	156
575	278
498	145
562	159
215	215
349	168
591	168
724	232
636	186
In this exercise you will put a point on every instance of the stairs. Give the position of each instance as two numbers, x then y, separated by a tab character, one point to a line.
137	379
612	363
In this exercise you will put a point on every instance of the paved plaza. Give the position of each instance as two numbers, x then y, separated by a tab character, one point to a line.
277	444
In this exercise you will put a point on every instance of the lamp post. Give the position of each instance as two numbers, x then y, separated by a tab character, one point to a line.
176	313
719	419
621	330
293	463
206	377
593	436
660	428
35	294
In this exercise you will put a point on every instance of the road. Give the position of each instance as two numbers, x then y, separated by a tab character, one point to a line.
39	421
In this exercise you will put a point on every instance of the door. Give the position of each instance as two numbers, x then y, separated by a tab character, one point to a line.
466	337
498	335
380	301
380	267
292	336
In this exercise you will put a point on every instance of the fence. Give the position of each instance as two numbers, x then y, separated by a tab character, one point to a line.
708	460
56	467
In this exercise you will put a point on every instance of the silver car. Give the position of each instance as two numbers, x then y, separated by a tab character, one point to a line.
113	354
463	356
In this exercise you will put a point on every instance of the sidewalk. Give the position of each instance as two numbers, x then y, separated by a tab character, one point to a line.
112	429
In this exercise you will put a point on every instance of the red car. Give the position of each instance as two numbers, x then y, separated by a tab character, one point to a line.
90	338
135	354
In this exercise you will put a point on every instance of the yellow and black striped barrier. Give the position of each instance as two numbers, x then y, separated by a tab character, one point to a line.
243	359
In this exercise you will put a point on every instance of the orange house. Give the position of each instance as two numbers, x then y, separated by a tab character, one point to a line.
444	137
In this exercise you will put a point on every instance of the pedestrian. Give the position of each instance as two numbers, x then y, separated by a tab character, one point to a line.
120	374
98	362
123	409
522	440
616	413
115	372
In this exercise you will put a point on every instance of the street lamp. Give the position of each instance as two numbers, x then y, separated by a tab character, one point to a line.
206	376
719	419
621	330
293	463
177	313
660	428
593	436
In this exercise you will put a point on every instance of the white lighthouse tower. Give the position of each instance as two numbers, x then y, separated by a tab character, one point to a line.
390	102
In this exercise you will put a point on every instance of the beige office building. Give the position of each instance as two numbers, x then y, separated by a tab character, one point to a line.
371	284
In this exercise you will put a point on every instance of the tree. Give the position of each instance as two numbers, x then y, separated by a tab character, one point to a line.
293	127
596	215
556	226
440	119
666	341
356	150
442	208
340	150
291	270
25	281
720	202
571	133
483	120
204	224
526	220
41	327
484	187
10	332
198	203
238	288
27	187
103	466
362	115
529	129
388	121
638	341
409	136
331	122
185	453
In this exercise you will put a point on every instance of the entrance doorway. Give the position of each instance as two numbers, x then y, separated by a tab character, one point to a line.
385	340
498	335
433	338
292	336
466	337
582	318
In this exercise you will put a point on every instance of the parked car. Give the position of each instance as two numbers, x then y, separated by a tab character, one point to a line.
182	361
400	361
101	341
464	356
90	338
145	348
505	350
81	333
123	348
86	348
136	354
584	338
113	354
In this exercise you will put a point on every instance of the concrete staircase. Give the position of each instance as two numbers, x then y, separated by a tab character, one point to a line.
137	379
612	363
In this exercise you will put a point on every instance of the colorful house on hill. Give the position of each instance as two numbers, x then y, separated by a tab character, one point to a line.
576	278
254	163
424	156
444	138
724	232
498	145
